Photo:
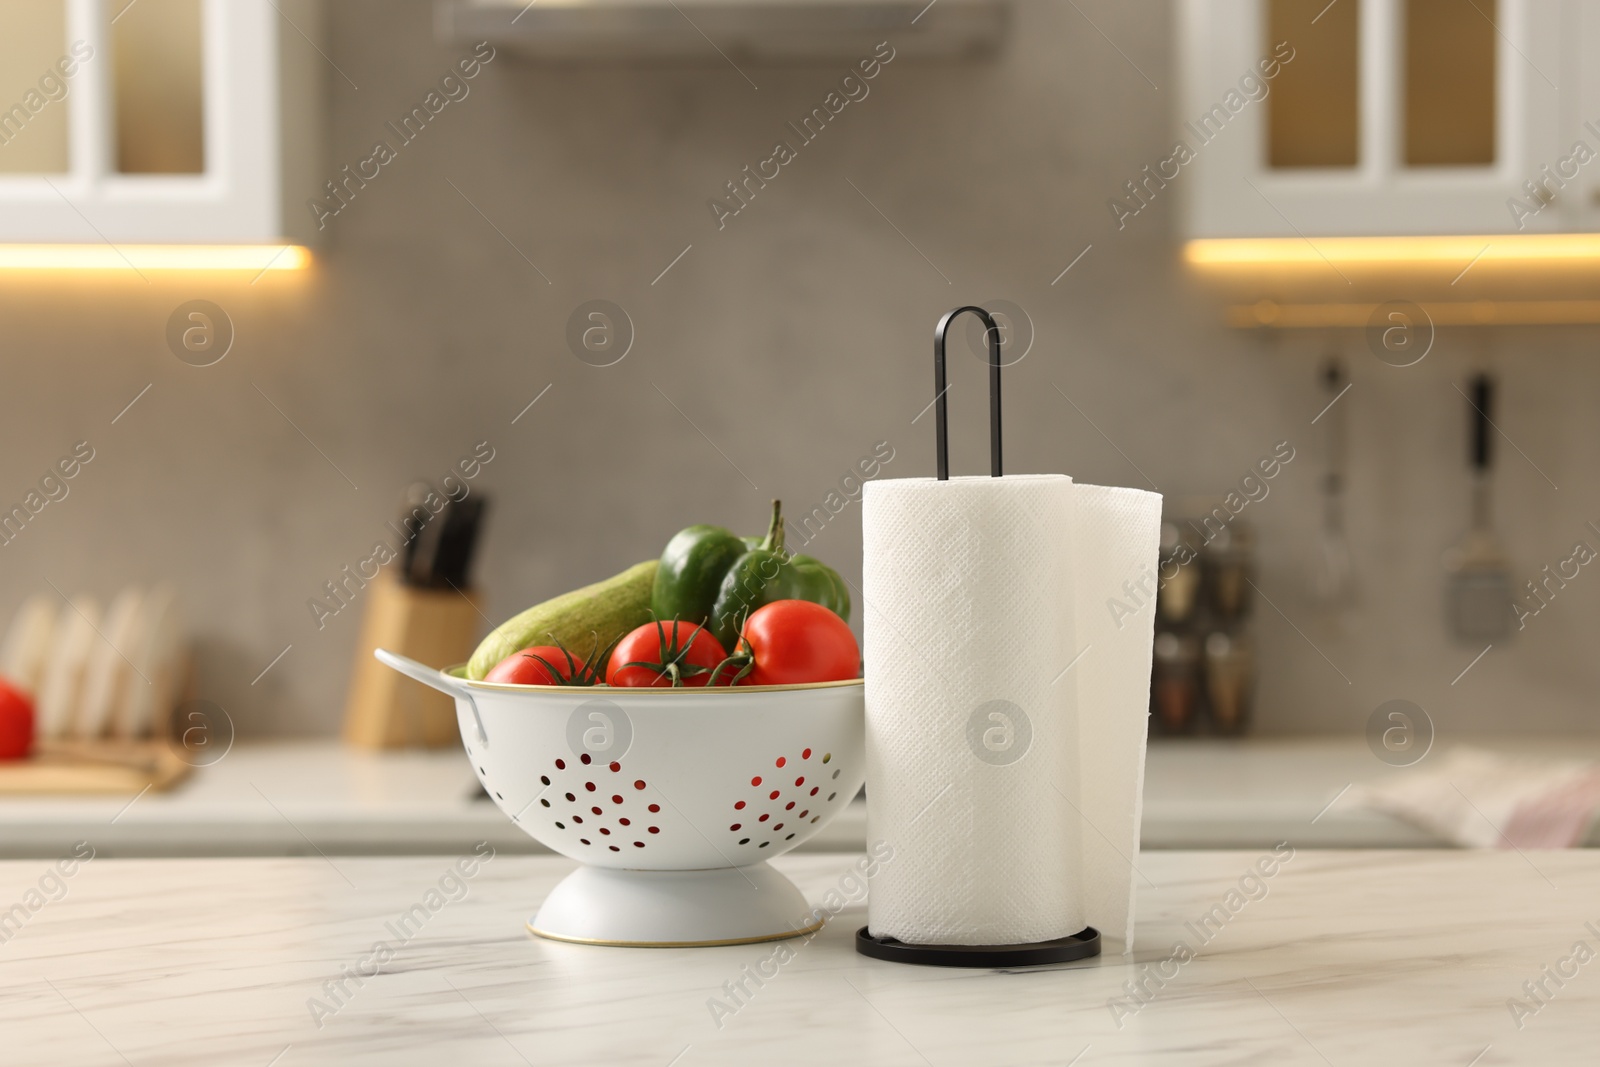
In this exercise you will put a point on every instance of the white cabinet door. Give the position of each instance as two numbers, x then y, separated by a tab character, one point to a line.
1580	121
1230	188
238	196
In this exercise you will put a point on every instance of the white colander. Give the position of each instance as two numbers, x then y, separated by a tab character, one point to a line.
673	799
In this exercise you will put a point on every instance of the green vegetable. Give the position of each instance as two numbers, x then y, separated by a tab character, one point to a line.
692	568
767	573
711	575
595	615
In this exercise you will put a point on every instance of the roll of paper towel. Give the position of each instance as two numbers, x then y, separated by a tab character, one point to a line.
1006	704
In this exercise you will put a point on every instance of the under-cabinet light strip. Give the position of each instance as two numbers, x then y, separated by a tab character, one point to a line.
1384	251
1267	314
105	257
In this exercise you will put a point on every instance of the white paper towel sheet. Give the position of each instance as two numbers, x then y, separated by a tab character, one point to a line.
1006	708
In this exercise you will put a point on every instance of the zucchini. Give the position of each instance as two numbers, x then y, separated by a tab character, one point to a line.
605	610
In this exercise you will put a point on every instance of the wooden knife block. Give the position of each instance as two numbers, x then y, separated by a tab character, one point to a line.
385	709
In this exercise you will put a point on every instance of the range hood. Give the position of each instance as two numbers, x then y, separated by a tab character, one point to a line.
757	31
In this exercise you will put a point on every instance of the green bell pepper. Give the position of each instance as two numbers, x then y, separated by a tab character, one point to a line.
770	572
710	575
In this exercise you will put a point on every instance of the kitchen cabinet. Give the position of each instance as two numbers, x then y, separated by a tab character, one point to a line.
1580	119
159	121
1384	117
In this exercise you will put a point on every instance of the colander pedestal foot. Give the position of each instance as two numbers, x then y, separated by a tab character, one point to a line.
674	909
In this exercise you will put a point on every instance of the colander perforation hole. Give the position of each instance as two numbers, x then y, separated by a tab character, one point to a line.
779	806
593	797
589	803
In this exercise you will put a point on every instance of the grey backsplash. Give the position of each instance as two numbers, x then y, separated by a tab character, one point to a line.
792	340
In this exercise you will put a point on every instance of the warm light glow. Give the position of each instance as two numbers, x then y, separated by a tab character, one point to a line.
1270	314
1570	248
253	258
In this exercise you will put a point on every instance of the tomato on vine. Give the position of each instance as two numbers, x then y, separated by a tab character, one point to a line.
792	642
664	654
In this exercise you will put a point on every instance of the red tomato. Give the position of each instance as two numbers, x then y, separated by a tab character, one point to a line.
796	641
539	665
663	654
16	722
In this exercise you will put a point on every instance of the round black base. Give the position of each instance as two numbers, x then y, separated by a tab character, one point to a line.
1081	945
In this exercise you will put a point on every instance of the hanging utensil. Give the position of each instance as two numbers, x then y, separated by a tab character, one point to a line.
1334	579
1478	594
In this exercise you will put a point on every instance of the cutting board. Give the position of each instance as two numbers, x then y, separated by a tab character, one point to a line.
85	767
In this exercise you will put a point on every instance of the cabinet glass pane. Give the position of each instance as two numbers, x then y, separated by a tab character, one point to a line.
1313	112
1450	82
159	87
35	79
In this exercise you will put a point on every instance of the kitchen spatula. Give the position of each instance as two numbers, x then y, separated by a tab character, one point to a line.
1478	594
1334	576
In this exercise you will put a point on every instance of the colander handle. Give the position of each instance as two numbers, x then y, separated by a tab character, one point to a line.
435	680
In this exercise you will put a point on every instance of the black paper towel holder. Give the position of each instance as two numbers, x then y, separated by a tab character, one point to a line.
941	408
1086	942
1079	946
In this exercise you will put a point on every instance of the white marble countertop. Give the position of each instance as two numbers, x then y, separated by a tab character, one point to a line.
1344	957
293	798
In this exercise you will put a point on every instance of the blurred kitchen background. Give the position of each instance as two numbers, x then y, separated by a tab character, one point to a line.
773	351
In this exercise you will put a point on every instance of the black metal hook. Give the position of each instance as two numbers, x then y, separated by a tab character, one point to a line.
941	428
